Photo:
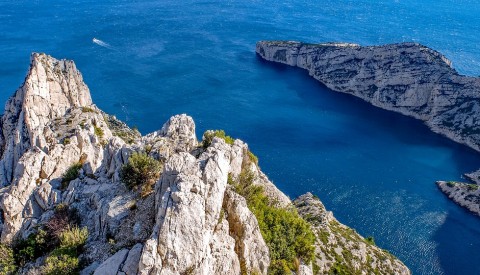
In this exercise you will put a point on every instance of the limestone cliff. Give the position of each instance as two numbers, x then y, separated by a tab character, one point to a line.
61	154
407	78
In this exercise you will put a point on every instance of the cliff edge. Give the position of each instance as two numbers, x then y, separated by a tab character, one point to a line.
408	78
82	192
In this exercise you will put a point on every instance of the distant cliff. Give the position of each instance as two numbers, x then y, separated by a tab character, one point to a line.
407	78
82	192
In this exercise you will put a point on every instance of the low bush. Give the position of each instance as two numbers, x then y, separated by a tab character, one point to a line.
87	109
34	246
7	260
73	237
253	158
209	135
289	237
451	183
62	219
59	263
64	259
98	131
141	171
472	187
71	174
370	240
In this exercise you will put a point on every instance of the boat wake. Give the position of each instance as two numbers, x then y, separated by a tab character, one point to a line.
103	44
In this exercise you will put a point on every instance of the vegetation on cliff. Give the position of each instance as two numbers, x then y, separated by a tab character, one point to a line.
288	236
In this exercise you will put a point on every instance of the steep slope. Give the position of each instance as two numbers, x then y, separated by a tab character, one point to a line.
66	208
407	78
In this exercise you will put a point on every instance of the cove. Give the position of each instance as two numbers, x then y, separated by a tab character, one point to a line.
374	169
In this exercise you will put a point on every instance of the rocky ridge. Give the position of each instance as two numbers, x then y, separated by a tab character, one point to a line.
408	78
192	222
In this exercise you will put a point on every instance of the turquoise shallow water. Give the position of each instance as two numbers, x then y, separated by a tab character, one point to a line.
375	169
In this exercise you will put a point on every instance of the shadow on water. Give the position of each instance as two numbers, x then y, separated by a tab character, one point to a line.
453	237
406	130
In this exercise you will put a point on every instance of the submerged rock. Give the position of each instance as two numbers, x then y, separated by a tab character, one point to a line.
59	151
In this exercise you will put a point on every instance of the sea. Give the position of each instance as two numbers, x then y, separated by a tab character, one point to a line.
145	61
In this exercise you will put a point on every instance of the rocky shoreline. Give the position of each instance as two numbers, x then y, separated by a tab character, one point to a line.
464	194
69	203
407	78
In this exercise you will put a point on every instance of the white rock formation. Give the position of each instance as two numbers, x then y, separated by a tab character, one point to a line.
193	222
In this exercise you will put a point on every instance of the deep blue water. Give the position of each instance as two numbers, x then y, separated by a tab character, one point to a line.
375	169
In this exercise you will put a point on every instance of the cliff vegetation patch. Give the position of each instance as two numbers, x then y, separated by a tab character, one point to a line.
141	171
289	237
209	135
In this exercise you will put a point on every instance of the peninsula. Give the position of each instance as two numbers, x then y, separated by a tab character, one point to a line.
407	78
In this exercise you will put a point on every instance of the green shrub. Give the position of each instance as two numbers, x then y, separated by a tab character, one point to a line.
71	174
34	246
209	135
66	141
87	109
64	259
141	171
64	264
451	183
472	187
7	260
73	237
98	131
288	236
62	219
370	240
253	158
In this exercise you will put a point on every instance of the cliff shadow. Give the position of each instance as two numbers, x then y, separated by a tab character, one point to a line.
366	117
458	242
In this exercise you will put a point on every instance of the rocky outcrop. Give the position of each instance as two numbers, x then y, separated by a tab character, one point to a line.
340	248
464	194
59	151
407	78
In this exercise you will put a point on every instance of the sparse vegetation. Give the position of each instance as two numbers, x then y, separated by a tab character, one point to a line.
451	183
141	171
59	232
252	157
71	174
34	246
64	259
60	238
209	135
472	187
289	237
66	141
87	110
370	240
7	260
98	131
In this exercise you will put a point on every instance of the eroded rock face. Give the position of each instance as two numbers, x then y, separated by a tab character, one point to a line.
340	246
407	78
193	222
464	194
51	88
